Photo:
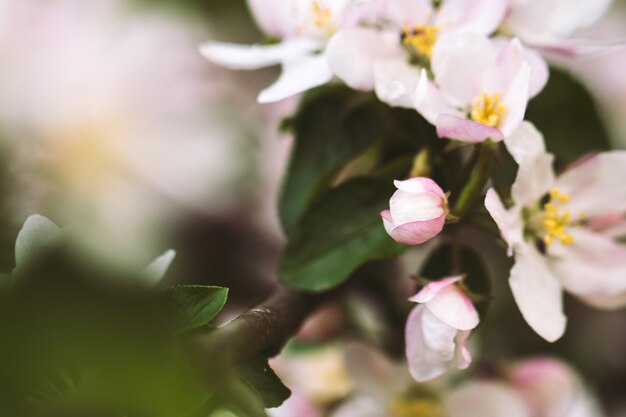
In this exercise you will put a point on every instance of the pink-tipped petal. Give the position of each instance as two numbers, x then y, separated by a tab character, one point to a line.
431	290
420	185
464	130
387	221
454	308
416	233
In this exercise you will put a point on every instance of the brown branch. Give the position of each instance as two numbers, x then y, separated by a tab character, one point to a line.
262	330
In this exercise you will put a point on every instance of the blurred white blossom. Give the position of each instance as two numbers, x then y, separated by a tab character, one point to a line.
110	120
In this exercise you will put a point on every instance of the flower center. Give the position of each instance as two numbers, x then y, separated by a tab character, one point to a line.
488	110
319	20
413	407
557	221
420	39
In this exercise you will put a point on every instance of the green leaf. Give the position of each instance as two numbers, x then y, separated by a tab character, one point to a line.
196	305
332	126
339	232
567	115
264	382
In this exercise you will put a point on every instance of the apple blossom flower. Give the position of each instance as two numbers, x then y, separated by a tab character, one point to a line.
540	387
319	374
551	388
387	58
549	24
417	211
437	330
91	135
480	90
39	233
296	406
563	231
304	28
382	387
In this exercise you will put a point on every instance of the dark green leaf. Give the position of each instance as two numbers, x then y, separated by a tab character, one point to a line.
196	305
339	232
264	382
332	126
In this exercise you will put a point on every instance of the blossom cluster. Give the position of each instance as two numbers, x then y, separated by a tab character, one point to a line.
468	67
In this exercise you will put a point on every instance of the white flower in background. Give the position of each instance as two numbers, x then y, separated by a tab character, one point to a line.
304	28
388	57
318	374
437	330
551	388
549	24
38	234
382	388
417	213
563	231
540	387
296	406
104	130
480	89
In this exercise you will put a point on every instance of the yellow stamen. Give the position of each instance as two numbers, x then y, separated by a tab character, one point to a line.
488	110
421	38
321	15
417	407
557	221
556	195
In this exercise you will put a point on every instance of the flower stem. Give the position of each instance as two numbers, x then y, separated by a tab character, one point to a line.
473	189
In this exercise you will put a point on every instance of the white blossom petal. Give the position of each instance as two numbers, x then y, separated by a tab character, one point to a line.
352	54
409	207
477	16
459	63
454	308
509	221
430	344
596	185
430	102
395	81
250	57
297	77
593	267
538	293
485	399
37	233
154	272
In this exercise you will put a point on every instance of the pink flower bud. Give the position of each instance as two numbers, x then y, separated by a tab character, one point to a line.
417	211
